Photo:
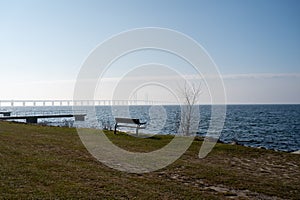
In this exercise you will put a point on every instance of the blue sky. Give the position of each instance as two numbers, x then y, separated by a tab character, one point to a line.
42	42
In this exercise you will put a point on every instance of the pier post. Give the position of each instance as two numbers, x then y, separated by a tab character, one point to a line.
79	117
32	120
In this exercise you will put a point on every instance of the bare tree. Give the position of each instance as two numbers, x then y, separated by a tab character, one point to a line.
190	94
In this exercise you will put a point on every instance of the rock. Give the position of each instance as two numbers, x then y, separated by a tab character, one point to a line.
296	152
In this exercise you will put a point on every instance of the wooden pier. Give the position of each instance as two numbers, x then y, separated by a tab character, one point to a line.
32	117
5	113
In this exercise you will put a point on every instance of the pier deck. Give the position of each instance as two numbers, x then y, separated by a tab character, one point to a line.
33	117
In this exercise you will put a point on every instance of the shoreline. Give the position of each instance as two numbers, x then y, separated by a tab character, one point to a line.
270	127
146	134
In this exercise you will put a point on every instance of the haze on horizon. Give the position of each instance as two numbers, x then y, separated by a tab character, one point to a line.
255	44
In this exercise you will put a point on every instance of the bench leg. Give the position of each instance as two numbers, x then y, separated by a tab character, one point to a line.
115	129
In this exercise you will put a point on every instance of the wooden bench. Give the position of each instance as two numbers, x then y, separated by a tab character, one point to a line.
133	123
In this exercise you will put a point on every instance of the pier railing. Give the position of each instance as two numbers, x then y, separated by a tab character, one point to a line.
48	113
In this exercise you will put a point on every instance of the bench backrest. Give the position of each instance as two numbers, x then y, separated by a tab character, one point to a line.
127	120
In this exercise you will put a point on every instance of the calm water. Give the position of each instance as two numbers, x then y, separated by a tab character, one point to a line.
269	126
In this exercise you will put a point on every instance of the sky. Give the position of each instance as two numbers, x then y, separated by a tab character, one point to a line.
254	43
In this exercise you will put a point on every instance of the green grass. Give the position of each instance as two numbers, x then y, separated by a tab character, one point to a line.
41	162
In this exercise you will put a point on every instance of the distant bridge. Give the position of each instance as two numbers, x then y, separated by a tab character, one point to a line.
23	103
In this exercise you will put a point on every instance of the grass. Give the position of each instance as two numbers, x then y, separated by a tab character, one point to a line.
41	162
